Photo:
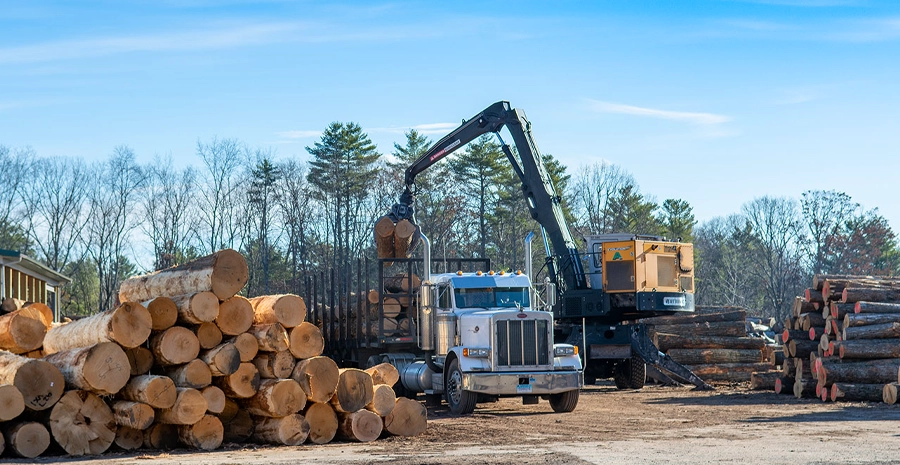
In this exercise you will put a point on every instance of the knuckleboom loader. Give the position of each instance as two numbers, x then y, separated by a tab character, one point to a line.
469	349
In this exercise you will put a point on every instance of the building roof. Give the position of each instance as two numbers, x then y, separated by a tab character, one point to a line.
22	262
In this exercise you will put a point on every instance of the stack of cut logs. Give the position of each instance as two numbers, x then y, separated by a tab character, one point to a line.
184	361
394	240
845	340
397	297
713	343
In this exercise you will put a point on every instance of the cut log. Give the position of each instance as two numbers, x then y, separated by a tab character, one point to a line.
384	237
240	427
409	418
859	294
82	423
161	436
26	439
163	313
39	311
271	338
128	324
140	360
735	372
867	392
229	410
197	308
276	398
724	328
804	388
20	333
206	434
733	315
318	376
876	307
868	372
814	296
174	346
241	384
224	273
391	307
12	404
153	390
287	309
11	304
359	426
816	333
764	380
373	296
129	439
404	232
889	393
877	331
131	414
102	369
248	347
711	356
863	319
789	334
291	430
801	348
354	391
40	383
667	341
306	341
208	335
384	373
235	316
215	399
383	400
402	283
222	360
322	421
784	385
189	408
810	320
867	349
275	365
194	374
800	306
838	310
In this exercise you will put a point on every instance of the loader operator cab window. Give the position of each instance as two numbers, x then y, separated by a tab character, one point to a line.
492	297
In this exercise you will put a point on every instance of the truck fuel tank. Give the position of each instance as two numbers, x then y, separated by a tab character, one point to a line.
417	377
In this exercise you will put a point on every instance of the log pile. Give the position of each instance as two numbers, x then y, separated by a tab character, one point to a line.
394	240
186	362
397	298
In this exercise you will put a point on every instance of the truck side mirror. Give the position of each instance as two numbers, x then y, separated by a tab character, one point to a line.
550	294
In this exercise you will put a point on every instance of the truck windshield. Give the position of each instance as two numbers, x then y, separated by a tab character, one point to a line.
492	297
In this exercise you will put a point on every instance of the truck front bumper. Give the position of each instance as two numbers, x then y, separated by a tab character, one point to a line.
512	383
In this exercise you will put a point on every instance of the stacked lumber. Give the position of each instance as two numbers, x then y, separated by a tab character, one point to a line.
396	299
185	361
394	240
713	343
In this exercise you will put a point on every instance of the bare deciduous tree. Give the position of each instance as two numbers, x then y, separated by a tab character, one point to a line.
167	205
221	195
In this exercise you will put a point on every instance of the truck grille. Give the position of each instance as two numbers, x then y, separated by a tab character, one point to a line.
523	343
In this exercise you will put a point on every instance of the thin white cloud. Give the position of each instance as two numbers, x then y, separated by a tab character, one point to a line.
299	134
683	116
427	129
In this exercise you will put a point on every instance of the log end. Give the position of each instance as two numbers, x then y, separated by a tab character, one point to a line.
230	274
131	325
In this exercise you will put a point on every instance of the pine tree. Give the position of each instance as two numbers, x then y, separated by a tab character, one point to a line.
481	169
677	220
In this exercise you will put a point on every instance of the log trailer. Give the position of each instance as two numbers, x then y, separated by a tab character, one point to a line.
592	313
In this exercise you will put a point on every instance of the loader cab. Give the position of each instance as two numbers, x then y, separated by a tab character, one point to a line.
629	263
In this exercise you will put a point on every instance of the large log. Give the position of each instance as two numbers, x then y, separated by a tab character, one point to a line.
354	391
291	430
40	383
174	346
131	414
322	421
306	341
215	399
732	315
800	306
189	408
246	344
102	369
877	331
163	313
804	388
391	307
711	356
12	404
724	328
140	360
402	283
876	307
844	391
26	439
801	348
129	439
867	349
161	436
20	333
784	385
384	373
667	341
788	334
809	320
404	232
837	310
82	423
287	309
858	294
206	434
276	398
270	337
383	400
814	296
222	360
409	418
275	365
235	316
863	319
735	372
867	372
197	308
224	273
241	384
318	376
194	374
154	390
239	428
209	335
129	325
359	426
384	237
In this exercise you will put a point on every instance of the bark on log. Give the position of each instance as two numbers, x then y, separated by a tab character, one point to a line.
725	328
359	426
384	237
813	296
402	283
879	331
248	347
12	404
27	439
383	400
271	337
889	393
40	383
876	307
676	341
174	346
789	334
714	356
208	335
764	380
20	333
153	390
784	385
128	324
867	349
132	414
140	360
291	430
276	398
129	439
189	408
404	232
868	372
801	348
161	436
163	313
287	309
215	399
82	423
384	373
816	333
235	316
224	273
275	365
240	428
306	341
859	294
322	421
194	374
867	392
222	360
206	434
102	369
733	315
800	306
804	388
241	384
809	320
197	308
11	304
318	376
863	319
838	310
409	418
354	391
734	372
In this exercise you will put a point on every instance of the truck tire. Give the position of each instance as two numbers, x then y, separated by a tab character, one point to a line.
461	402
630	373
564	401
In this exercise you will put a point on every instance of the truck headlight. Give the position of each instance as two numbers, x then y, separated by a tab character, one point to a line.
563	350
477	353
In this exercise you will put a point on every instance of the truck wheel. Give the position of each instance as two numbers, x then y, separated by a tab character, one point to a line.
622	374
564	401
461	402
638	369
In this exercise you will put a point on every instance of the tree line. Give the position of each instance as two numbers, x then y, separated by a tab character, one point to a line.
102	222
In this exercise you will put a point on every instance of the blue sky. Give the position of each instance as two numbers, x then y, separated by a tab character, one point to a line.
715	102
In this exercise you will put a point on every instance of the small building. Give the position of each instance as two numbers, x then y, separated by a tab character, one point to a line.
23	278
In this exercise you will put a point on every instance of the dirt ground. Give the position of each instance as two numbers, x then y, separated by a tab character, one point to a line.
656	425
